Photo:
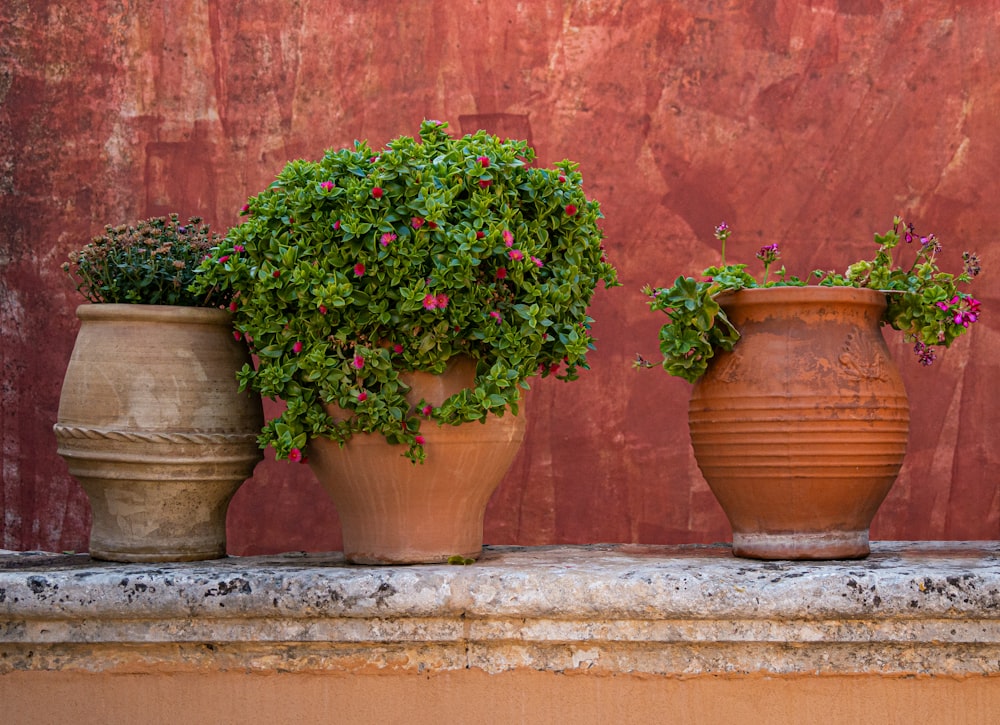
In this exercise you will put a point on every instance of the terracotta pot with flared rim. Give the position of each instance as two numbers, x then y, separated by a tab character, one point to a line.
393	511
801	430
153	426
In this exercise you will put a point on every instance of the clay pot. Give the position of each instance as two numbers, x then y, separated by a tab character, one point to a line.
394	511
153	426
801	430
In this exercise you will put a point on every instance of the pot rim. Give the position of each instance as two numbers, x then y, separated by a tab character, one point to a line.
107	311
805	294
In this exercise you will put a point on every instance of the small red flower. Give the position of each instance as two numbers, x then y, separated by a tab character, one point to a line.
419	440
480	234
570	209
232	306
236	335
397	348
359	270
362	396
484	161
245	209
277	273
295	455
496	316
377	192
427	410
358	363
502	273
336	225
485	183
416	222
223	259
297	347
322	309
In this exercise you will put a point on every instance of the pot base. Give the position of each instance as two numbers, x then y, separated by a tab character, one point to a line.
821	545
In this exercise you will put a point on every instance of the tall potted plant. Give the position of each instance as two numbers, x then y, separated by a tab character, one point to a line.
798	417
398	301
151	421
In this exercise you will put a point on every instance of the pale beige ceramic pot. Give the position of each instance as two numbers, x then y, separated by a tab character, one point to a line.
801	430
153	426
394	511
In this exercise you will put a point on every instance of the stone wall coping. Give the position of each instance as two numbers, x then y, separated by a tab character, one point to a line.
910	608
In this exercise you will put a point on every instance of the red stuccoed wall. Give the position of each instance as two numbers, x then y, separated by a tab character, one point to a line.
809	124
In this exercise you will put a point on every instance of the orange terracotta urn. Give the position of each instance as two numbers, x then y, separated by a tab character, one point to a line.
395	511
801	429
153	426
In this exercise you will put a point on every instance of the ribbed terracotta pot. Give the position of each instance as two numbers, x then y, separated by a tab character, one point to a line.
393	511
800	431
153	426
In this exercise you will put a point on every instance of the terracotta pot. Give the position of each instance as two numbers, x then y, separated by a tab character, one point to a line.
152	425
393	511
801	430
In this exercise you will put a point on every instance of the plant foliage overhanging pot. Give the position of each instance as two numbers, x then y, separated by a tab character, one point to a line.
356	270
799	417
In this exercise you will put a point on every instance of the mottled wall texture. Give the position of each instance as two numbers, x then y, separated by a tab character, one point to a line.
807	123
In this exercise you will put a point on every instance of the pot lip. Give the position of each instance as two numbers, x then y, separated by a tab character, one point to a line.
108	311
806	294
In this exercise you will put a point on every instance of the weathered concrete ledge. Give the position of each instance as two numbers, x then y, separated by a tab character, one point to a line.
911	608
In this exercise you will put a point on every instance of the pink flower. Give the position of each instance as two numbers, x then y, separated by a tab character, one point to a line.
223	259
427	410
362	396
508	237
297	347
358	363
322	309
295	455
442	301
570	209
419	440
562	178
336	225
232	306
359	270
502	273
387	239
516	254
397	348
377	192
245	209
430	302
485	183
416	222
537	261
326	185
496	316
484	161
236	335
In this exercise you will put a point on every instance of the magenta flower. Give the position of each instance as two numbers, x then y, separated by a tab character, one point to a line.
362	396
387	239
430	302
232	306
322	309
562	178
537	261
239	248
297	347
484	183
336	225
442	301
223	259
570	209
426	411
516	254
245	209
295	455
496	316
377	192
397	348
359	270
236	335
416	222
484	161
358	363
508	238
326	185
419	440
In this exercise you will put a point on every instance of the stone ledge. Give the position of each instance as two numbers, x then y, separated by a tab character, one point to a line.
910	608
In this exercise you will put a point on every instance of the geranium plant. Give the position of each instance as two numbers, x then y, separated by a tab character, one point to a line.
922	302
364	264
149	262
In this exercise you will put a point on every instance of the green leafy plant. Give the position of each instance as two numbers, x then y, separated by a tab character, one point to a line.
150	262
362	265
921	301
